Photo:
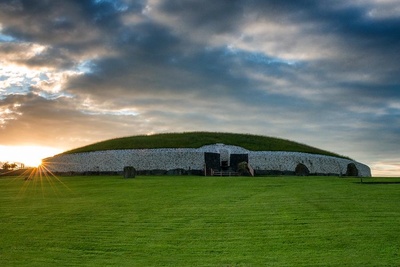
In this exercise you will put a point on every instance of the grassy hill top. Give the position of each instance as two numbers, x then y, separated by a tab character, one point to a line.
199	139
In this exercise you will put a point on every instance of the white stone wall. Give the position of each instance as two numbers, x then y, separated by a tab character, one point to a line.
316	164
116	160
193	159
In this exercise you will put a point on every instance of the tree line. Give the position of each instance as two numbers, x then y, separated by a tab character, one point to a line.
11	166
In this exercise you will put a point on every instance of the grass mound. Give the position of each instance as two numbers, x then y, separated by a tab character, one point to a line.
199	139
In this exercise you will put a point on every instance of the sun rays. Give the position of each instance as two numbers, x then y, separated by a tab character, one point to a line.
40	180
30	155
37	177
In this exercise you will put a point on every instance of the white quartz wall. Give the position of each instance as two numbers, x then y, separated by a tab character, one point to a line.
116	160
287	161
193	159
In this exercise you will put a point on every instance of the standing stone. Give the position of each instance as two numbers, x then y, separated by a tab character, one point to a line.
301	170
352	170
129	172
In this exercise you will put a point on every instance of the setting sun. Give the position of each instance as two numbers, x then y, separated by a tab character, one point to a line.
31	156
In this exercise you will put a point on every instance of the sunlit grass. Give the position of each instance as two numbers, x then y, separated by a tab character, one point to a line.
199	221
39	180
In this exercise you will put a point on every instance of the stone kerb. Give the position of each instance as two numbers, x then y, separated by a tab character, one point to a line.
193	159
316	164
115	160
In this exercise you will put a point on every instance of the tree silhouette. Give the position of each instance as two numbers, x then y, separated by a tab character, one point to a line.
13	166
6	166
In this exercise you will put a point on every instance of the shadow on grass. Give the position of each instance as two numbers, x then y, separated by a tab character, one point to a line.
377	182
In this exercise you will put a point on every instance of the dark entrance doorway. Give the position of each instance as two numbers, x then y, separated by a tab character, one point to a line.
225	160
236	159
351	170
212	161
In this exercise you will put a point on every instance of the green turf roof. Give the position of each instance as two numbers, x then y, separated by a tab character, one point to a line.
199	139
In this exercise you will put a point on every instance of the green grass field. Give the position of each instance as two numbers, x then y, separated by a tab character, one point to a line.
200	221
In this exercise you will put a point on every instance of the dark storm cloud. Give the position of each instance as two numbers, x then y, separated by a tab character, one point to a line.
58	22
364	46
69	30
219	16
304	70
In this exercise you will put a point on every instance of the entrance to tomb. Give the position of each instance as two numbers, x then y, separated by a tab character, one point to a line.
235	159
225	158
212	162
223	162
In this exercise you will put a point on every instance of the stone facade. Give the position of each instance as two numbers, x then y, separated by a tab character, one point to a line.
194	160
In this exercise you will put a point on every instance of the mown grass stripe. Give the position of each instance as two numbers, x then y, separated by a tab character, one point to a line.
200	221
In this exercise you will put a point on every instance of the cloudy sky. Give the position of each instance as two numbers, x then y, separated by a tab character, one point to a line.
325	73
